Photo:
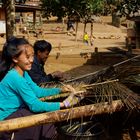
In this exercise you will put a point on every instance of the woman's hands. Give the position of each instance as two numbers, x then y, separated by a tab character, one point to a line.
72	100
67	88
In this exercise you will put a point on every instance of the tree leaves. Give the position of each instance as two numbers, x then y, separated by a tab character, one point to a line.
78	8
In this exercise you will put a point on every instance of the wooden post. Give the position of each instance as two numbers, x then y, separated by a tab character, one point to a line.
138	35
61	115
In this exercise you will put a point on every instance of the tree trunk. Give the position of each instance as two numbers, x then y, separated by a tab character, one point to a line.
91	33
85	25
10	17
61	115
76	30
115	20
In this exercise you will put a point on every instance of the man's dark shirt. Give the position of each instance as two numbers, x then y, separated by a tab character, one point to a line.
37	73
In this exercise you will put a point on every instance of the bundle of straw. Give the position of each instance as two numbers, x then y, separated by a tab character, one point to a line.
111	72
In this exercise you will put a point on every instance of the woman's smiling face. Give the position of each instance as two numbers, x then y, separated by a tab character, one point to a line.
24	61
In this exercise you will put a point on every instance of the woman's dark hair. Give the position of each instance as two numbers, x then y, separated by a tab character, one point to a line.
10	50
42	45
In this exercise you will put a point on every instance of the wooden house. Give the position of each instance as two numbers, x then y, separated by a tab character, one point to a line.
21	6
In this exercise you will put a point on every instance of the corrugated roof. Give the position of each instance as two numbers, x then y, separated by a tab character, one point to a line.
27	8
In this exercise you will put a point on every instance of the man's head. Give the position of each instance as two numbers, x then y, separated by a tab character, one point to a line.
42	49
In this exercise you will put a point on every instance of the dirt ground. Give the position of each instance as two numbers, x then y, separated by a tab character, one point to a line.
105	36
63	44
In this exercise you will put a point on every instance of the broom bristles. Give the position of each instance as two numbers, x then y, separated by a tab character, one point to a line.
106	91
109	91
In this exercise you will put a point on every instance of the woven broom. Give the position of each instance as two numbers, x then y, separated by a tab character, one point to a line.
103	87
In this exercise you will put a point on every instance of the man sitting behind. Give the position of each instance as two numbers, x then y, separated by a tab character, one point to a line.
42	49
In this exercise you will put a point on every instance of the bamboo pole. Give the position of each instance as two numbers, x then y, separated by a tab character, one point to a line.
101	83
47	98
60	115
63	95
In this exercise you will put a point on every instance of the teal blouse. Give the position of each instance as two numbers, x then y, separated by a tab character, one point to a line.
17	90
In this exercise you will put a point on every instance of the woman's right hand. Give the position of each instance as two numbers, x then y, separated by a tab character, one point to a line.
72	100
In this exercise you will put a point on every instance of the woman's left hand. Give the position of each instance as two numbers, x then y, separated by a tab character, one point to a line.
68	88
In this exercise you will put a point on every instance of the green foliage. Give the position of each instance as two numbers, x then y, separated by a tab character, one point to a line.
85	9
70	8
53	8
127	8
